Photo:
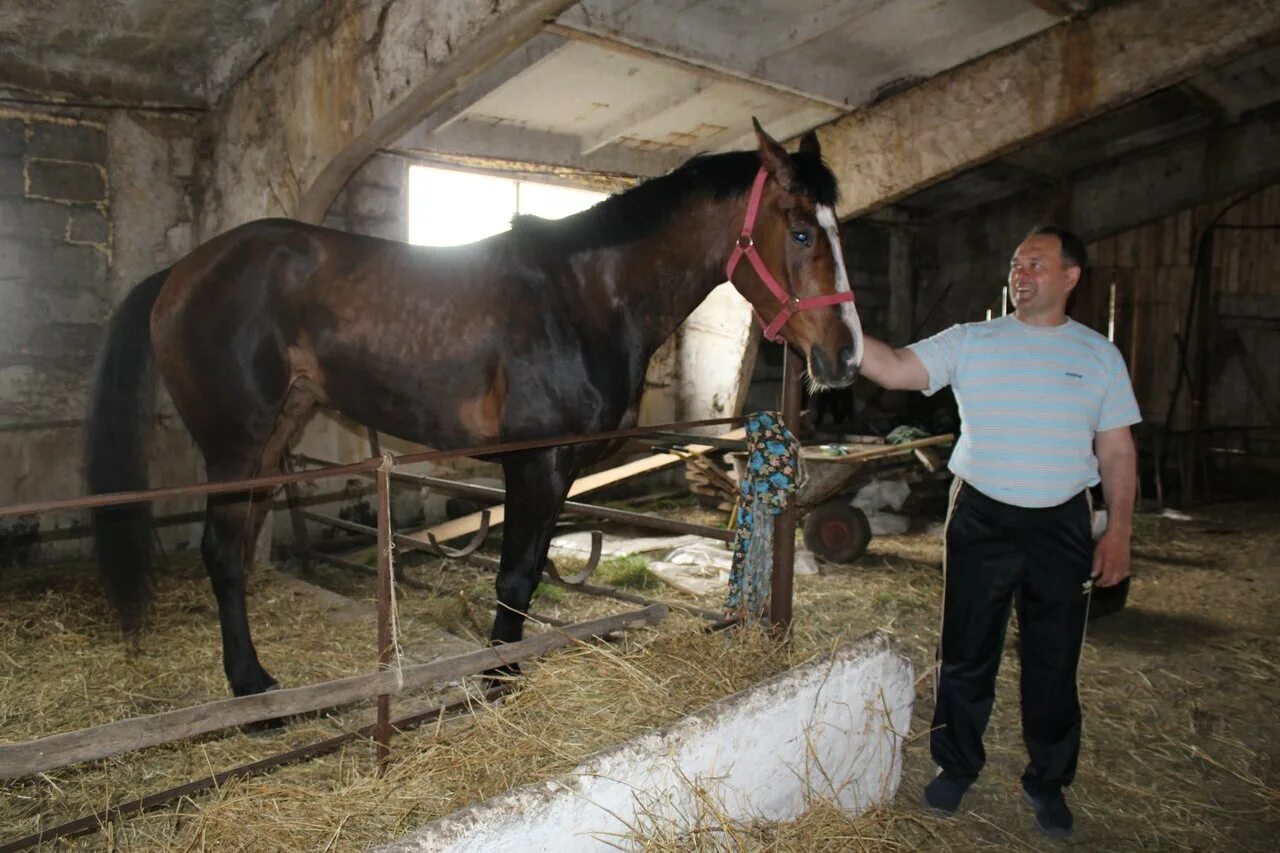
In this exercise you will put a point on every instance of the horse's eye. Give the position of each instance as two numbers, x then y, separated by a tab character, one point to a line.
801	237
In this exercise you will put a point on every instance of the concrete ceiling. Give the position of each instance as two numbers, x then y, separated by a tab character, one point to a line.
635	87
167	52
638	86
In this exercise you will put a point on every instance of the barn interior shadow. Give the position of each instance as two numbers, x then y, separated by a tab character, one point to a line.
1150	631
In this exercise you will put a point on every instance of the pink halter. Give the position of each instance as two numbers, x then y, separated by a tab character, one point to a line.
746	246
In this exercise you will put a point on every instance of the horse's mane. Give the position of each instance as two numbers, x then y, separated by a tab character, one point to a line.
641	210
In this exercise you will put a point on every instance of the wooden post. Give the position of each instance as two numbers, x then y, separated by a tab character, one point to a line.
301	540
784	526
382	728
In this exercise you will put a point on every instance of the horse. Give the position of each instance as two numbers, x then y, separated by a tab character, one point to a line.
542	331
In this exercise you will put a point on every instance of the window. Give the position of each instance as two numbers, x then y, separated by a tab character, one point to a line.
451	208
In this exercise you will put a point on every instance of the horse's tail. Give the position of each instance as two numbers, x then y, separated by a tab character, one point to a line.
117	433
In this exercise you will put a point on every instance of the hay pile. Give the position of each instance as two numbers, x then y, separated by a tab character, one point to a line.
1179	691
67	669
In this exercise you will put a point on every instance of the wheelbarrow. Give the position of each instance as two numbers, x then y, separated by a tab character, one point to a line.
833	528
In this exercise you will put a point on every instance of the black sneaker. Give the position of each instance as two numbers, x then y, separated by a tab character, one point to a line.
942	796
1053	818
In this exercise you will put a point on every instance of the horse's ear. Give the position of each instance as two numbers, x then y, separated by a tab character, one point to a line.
774	157
809	144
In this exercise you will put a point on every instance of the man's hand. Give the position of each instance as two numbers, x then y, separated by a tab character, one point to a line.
1111	559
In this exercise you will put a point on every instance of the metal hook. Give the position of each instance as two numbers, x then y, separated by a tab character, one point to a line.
470	548
597	542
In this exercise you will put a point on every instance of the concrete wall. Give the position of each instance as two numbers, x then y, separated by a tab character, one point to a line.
90	202
828	730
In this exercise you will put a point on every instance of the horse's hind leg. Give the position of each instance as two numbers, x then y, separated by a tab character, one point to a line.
536	483
232	525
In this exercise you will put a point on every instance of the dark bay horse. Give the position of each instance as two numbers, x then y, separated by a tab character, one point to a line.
542	331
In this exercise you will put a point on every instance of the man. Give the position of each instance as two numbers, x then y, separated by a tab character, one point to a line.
1045	406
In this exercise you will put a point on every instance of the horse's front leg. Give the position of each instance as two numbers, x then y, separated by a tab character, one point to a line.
537	483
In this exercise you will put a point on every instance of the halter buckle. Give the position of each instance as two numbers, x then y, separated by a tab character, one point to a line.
745	241
795	301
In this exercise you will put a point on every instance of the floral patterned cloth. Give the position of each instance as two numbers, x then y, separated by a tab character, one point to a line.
771	473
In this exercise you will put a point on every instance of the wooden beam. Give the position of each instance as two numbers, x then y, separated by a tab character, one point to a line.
469	524
902	286
1008	99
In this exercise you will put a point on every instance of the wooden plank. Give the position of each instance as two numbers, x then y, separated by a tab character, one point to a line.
469	524
49	753
887	450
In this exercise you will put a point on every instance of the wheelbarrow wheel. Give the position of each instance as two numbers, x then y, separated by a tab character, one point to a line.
837	532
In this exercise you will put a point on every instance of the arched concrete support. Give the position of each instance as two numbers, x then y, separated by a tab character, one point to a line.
1015	96
353	78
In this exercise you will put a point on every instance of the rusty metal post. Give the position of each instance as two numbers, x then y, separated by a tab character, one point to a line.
784	527
382	728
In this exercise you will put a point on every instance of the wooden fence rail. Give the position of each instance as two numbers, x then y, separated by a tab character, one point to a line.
60	750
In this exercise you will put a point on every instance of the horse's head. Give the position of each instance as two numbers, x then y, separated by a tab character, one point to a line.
796	278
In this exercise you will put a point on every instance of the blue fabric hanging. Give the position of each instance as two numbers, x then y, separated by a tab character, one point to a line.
772	472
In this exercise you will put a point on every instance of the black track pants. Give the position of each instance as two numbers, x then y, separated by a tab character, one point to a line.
1040	560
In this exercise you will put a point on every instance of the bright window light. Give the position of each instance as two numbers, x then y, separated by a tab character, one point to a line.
451	208
1111	314
552	202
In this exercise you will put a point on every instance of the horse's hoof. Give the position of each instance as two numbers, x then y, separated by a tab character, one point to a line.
265	728
504	677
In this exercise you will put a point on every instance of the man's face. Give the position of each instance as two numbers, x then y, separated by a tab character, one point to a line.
1039	282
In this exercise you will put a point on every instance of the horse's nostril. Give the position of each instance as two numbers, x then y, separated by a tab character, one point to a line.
846	357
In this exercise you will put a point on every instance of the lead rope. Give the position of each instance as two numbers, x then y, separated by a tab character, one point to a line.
388	463
773	470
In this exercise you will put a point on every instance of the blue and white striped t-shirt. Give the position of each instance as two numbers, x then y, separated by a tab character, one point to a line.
1031	399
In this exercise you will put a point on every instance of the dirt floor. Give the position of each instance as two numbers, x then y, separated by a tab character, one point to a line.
1182	707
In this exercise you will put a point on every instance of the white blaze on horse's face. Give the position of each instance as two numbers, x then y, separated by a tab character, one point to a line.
827	219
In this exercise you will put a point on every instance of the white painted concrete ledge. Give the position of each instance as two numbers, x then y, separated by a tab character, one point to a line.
831	729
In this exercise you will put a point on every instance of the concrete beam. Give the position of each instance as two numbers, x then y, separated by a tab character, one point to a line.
1015	96
1150	185
354	78
972	248
657	105
536	50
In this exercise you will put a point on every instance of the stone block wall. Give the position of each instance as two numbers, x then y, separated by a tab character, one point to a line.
374	201
87	198
54	254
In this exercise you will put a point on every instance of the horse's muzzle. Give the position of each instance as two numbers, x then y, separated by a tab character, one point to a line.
832	373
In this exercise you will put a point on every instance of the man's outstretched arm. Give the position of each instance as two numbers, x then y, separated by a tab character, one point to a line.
894	369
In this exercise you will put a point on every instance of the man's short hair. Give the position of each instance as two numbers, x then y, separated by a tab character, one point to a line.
1073	251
